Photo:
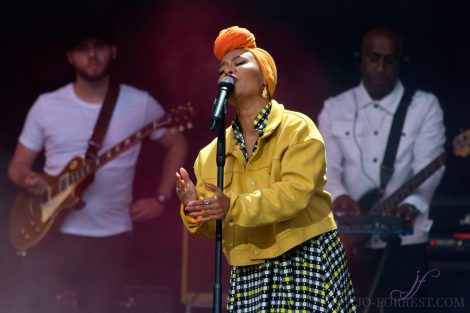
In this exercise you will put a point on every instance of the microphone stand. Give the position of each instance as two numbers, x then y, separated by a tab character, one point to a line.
219	123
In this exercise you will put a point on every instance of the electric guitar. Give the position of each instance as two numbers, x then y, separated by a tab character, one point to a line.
374	218
33	217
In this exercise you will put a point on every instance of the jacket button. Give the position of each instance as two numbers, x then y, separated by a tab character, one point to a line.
230	219
255	251
252	184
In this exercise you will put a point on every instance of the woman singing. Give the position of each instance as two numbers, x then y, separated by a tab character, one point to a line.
279	233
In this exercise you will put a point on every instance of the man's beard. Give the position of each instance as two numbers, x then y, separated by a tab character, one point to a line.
93	77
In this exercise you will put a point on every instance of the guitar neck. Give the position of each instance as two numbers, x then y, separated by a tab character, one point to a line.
392	201
92	165
128	142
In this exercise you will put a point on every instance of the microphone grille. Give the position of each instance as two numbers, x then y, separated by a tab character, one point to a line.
227	82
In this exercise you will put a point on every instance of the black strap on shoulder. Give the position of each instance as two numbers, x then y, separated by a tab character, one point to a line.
388	164
101	126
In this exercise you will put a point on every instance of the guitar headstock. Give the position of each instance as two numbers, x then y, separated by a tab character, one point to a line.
461	144
181	117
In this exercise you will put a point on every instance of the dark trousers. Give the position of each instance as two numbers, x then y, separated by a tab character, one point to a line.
73	274
394	291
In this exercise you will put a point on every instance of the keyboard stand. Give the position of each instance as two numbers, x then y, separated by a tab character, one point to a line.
392	242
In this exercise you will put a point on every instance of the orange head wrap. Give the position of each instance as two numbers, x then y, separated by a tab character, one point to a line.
241	38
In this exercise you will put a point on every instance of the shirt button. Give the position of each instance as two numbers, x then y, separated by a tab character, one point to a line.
376	132
346	133
376	105
252	184
374	160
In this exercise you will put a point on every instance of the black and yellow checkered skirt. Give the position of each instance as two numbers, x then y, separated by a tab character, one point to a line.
312	277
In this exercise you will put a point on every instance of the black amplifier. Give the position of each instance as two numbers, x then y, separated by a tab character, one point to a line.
457	244
451	214
450	233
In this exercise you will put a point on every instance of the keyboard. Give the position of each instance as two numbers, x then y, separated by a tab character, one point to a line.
373	224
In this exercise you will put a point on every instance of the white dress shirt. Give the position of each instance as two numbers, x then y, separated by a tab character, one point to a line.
356	128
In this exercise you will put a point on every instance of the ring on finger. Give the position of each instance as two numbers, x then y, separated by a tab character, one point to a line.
206	201
178	189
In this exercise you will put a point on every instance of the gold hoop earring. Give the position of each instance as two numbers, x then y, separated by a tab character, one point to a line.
265	93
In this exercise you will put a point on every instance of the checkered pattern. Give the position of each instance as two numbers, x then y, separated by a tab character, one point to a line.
312	277
259	123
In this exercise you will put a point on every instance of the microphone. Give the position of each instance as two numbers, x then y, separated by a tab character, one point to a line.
224	90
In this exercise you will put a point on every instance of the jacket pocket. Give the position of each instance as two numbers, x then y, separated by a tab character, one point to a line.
347	130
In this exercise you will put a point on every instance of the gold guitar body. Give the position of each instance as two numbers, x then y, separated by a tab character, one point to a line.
33	217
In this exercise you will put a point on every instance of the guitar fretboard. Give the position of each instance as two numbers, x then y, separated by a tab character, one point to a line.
94	164
392	201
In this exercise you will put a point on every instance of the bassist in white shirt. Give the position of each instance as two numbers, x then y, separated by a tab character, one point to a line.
355	126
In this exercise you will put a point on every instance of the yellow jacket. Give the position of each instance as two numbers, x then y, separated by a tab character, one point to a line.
277	200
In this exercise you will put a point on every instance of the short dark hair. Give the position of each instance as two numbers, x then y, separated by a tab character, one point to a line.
388	31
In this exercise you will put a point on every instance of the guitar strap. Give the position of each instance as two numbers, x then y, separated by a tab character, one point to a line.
388	164
96	141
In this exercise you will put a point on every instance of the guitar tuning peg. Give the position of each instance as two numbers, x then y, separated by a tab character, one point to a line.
189	125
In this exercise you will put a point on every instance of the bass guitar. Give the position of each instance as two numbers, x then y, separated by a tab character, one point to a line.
33	217
374	218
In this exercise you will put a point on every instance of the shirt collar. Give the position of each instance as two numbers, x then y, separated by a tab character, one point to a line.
260	121
259	124
389	103
275	117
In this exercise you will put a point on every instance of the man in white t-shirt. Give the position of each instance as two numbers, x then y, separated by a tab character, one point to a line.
92	245
355	126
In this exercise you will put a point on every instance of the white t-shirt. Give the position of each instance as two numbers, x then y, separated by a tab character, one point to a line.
356	128
61	124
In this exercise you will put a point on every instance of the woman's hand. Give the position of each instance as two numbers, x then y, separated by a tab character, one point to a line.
185	188
208	209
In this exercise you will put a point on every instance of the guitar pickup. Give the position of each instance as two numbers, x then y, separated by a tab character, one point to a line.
64	182
46	196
